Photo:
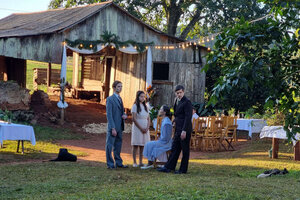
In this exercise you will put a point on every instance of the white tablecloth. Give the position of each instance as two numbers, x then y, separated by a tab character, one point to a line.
16	132
276	132
251	125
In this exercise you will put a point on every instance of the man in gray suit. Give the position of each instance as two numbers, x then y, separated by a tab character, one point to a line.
115	118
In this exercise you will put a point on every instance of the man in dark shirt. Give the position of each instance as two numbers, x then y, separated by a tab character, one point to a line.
183	128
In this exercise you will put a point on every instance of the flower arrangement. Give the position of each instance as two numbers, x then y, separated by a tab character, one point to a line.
150	92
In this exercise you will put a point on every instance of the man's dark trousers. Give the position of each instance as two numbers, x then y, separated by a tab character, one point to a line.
183	122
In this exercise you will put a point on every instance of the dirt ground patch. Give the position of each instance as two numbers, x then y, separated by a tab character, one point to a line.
81	112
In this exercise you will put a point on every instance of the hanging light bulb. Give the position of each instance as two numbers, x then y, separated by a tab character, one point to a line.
208	48
91	46
207	40
212	38
81	45
203	41
102	46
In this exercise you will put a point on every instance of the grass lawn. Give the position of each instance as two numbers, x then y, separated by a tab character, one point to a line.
217	176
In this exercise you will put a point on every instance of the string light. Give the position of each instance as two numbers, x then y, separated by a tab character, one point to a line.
102	46
207	40
208	49
81	45
91	46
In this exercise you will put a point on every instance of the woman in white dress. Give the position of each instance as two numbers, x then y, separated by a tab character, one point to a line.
140	127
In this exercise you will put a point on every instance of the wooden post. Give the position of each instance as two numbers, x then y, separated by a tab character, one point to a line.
75	69
62	116
297	151
49	75
275	147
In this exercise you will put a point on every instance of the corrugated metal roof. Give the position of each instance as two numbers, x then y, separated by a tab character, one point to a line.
50	21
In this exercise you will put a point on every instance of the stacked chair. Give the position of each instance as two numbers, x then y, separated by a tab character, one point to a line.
213	133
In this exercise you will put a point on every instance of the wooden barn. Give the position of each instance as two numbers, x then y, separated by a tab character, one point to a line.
39	36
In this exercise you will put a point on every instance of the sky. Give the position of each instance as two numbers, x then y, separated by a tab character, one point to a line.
8	7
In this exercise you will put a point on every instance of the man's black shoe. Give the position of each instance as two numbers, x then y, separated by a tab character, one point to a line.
122	166
179	172
163	169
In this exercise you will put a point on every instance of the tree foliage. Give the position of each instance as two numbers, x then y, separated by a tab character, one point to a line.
181	17
260	64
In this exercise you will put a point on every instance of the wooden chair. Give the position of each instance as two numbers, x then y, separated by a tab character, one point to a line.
194	140
214	134
198	134
156	163
230	132
155	133
230	129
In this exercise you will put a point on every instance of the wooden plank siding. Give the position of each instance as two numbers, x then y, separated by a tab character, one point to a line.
128	71
43	48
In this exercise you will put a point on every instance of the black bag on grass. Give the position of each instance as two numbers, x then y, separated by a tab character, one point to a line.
64	155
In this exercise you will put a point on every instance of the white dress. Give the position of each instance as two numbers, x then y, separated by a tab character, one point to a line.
137	137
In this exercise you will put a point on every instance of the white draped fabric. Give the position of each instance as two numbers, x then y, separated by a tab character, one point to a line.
129	50
277	132
149	68
63	76
16	132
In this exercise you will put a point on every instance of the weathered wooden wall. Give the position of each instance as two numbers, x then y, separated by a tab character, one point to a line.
131	71
44	48
184	69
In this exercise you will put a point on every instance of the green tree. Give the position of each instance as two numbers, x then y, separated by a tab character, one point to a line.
184	18
260	64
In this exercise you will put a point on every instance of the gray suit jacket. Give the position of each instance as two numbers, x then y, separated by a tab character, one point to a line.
114	112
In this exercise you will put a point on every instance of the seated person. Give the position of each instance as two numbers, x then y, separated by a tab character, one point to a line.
195	116
157	149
